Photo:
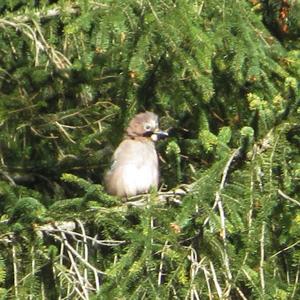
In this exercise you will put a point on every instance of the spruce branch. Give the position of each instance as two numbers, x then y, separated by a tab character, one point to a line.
221	187
218	203
39	41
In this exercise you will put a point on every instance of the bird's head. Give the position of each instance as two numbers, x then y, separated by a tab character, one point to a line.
145	125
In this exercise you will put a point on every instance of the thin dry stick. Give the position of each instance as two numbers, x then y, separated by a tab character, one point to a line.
296	282
32	268
52	53
215	279
30	33
160	273
241	293
193	271
8	177
61	127
43	291
73	266
154	13
77	255
50	13
72	283
61	260
206	275
285	196
15	267
85	247
83	282
262	258
194	294
200	8
222	217
249	215
86	256
223	181
287	271
251	281
218	203
285	249
74	288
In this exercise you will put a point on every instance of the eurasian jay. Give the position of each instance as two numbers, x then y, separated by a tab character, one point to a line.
134	168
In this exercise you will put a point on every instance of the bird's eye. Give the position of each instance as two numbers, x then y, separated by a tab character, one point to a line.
147	127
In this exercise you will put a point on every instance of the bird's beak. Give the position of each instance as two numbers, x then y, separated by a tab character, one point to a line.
158	135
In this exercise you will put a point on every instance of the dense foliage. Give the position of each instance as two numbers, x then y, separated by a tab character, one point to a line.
223	77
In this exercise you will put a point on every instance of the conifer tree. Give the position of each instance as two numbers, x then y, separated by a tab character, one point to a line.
224	78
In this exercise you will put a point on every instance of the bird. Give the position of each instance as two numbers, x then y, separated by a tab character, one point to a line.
135	166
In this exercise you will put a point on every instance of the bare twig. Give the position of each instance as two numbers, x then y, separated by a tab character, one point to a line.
194	269
285	249
77	255
8	177
40	43
51	13
215	279
206	275
32	269
61	127
85	247
154	12
59	227
262	258
86	256
15	267
199	11
61	260
82	283
241	293
160	273
285	196
223	181
296	281
72	286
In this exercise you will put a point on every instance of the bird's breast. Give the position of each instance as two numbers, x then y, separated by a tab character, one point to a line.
135	169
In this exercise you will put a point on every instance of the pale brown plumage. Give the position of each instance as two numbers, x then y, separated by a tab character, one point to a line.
135	162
